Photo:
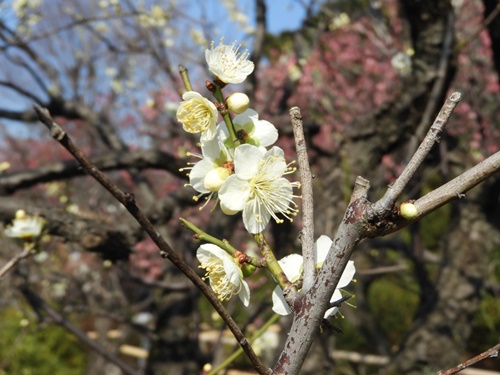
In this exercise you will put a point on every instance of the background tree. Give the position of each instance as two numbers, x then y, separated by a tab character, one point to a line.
369	78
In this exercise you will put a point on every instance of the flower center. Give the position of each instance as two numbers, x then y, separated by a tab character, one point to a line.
272	192
218	279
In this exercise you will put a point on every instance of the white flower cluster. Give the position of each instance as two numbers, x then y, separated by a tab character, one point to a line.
242	169
245	175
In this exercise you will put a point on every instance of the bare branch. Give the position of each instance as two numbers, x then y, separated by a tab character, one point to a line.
387	202
490	353
16	259
138	159
312	306
437	88
307	233
452	190
456	188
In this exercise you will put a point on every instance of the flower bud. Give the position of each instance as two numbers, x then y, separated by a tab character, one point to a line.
248	269
238	102
215	178
20	215
408	211
227	210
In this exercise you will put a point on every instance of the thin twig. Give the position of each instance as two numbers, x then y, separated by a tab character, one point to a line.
185	77
201	235
386	203
11	263
486	22
490	353
437	87
307	233
452	190
39	304
456	188
166	251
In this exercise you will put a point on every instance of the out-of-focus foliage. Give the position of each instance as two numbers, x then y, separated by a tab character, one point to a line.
28	348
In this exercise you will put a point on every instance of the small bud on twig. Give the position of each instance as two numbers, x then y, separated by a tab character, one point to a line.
408	210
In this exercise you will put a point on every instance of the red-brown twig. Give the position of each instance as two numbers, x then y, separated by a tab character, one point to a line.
16	259
490	353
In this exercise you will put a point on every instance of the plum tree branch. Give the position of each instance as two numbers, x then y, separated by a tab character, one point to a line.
166	251
307	233
490	353
363	219
14	260
312	306
433	136
138	159
452	190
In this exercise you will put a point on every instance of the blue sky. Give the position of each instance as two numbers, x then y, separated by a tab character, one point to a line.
284	15
281	15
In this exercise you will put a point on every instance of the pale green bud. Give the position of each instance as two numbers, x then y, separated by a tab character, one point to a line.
238	102
408	211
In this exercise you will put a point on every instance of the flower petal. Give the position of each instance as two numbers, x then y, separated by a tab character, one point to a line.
347	275
234	193
246	117
292	266
246	161
207	251
255	218
188	95
244	293
233	272
279	304
321	249
198	173
265	132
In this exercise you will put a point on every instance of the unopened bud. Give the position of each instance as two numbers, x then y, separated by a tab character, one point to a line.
20	215
215	178
408	211
238	102
247	269
207	367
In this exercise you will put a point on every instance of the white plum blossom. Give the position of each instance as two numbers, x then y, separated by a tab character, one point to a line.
25	226
208	174
250	130
227	63
258	187
198	115
401	62
225	276
292	267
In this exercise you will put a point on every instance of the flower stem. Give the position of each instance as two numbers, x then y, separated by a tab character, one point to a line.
272	264
223	244
225	115
183	71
